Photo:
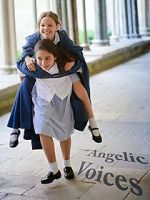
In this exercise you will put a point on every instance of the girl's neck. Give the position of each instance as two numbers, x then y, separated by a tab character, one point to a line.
52	40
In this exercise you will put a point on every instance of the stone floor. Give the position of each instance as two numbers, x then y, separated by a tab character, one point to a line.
116	169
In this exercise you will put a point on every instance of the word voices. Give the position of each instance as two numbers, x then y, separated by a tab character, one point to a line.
109	178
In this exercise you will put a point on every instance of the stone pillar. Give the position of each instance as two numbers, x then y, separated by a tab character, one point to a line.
85	39
114	10
72	20
55	6
101	37
35	14
135	19
64	12
8	33
58	7
123	21
132	19
48	4
144	17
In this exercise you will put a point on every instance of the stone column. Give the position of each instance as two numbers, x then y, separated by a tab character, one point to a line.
132	19
114	10
85	39
64	12
123	20
144	17
8	33
135	19
58	7
101	37
35	14
55	6
48	4
72	20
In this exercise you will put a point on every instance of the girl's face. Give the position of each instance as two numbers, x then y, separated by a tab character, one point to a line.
48	28
45	59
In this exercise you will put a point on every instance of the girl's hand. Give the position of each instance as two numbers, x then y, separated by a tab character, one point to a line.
69	65
30	63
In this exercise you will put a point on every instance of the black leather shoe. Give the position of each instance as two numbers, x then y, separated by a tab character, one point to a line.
98	138
51	177
68	173
14	143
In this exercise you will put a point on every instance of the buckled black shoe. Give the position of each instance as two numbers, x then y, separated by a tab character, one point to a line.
68	173
98	138
50	177
14	143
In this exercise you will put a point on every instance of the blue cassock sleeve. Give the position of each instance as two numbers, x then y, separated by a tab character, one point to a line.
39	73
28	48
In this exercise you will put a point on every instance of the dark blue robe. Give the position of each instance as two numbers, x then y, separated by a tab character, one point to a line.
21	115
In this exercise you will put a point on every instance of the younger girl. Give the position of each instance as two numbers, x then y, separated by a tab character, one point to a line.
49	28
53	115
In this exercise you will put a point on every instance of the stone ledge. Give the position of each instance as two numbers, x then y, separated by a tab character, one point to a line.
7	98
117	57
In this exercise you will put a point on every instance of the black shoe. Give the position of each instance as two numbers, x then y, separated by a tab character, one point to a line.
51	177
68	173
98	138
14	143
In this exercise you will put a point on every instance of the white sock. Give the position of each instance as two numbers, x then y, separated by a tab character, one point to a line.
93	124
66	163
14	137
53	167
15	130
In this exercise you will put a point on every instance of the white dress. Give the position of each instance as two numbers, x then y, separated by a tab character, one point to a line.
52	113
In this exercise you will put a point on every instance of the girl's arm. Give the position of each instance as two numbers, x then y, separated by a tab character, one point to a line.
39	73
28	48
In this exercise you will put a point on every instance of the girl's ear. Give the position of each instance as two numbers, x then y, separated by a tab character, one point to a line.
58	27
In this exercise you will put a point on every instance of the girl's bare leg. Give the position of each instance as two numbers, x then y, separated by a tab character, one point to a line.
48	147
82	94
65	148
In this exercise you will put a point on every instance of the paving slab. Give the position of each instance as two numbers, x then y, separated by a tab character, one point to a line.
19	197
61	189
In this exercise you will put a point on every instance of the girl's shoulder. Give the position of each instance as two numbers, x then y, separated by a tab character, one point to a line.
62	34
34	38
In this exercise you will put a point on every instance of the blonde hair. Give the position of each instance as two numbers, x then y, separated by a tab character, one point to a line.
51	15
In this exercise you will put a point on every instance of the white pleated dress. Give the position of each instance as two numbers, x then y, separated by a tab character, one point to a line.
52	112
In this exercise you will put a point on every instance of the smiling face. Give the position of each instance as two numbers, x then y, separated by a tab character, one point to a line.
48	28
45	59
